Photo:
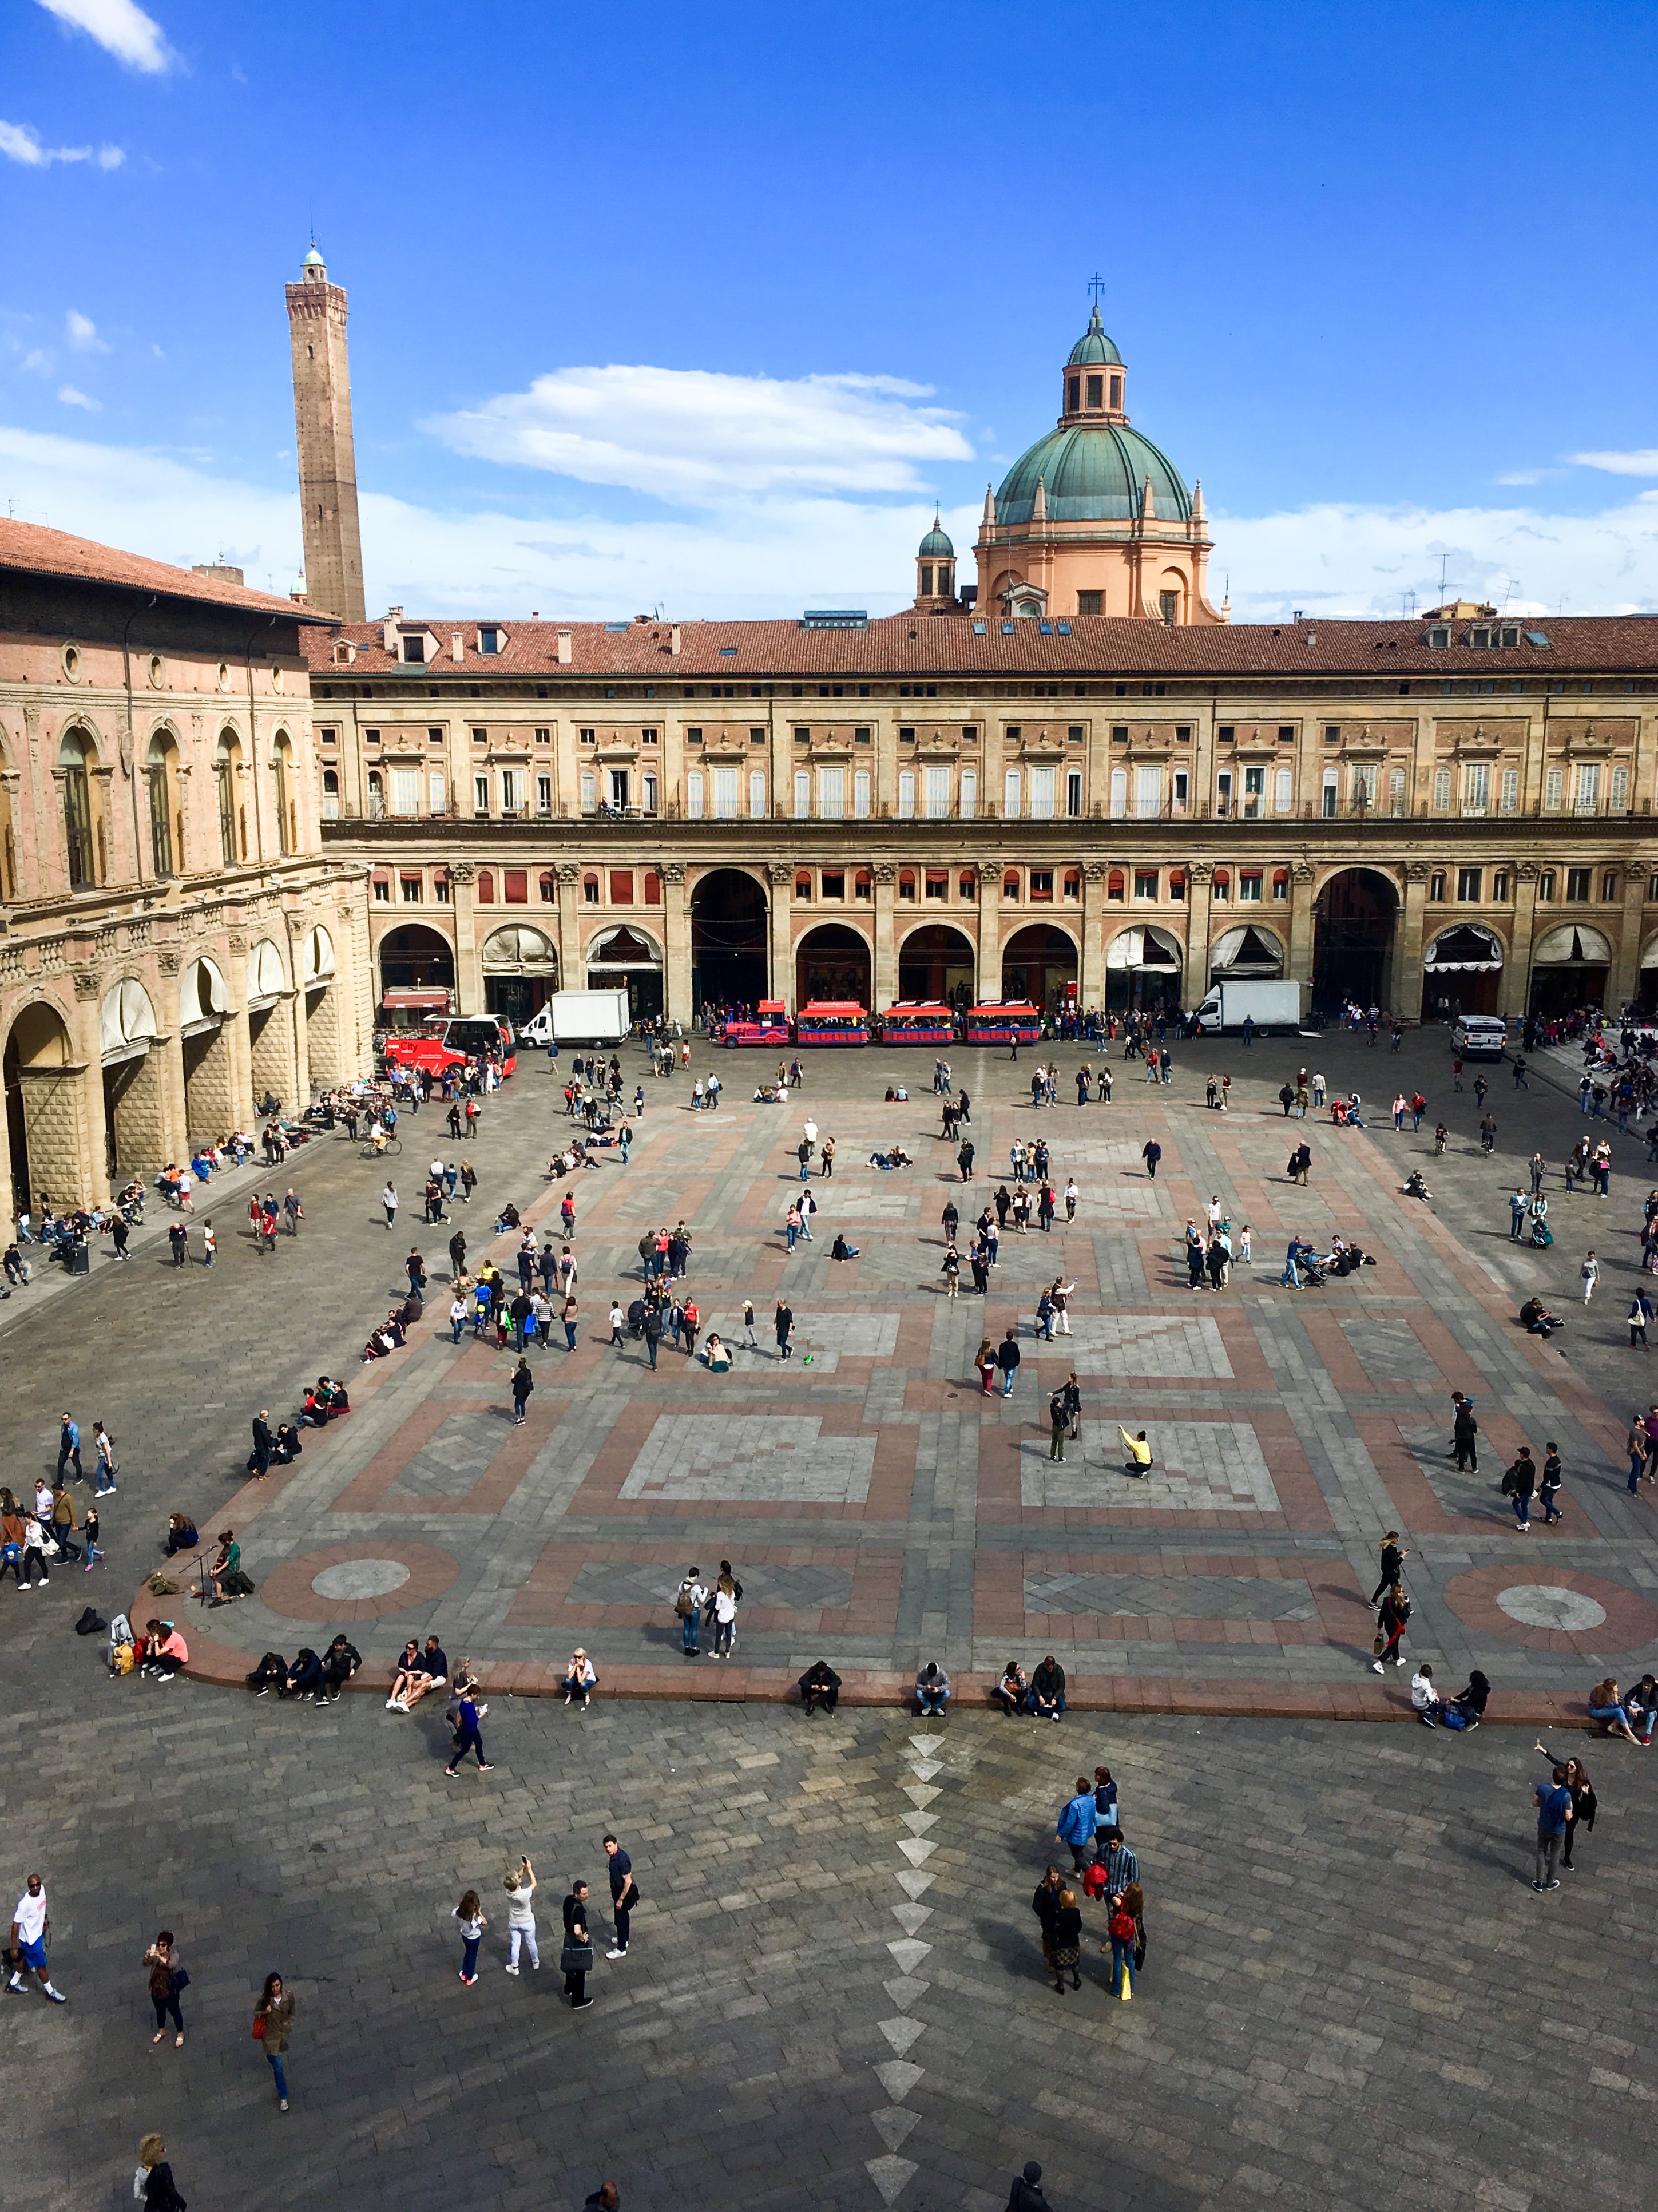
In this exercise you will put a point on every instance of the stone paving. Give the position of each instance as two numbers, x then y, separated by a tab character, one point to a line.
1289	1429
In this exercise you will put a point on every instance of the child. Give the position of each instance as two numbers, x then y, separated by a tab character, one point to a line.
1243	1245
89	1522
1121	1929
615	1323
470	1914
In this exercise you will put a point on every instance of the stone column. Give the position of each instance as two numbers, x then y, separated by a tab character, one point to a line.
779	909
675	945
298	931
468	966
168	1052
1404	983
235	1036
1515	991
886	949
572	968
1195	981
990	928
1304	922
1092	980
1624	981
94	1180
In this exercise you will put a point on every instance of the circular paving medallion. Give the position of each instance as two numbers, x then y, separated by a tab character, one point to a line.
1548	1605
367	1578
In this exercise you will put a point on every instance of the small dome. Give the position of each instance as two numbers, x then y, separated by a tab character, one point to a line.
1092	473
936	545
1093	347
313	259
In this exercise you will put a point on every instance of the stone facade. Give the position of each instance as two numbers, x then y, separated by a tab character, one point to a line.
172	941
1453	810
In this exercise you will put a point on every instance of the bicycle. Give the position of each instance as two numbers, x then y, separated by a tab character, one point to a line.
389	1149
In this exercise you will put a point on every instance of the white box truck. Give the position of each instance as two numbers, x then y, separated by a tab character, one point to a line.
579	1018
1274	1006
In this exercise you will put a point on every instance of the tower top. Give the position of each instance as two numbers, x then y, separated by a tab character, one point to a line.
315	271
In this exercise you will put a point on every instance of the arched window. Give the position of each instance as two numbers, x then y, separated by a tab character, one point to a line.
863	884
906	884
73	757
225	758
1073	883
547	884
652	888
376	805
968	885
1010	883
590	889
159	768
486	893
803	885
287	818
1115	885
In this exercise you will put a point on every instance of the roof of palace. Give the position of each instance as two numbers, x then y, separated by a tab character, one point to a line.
909	644
30	548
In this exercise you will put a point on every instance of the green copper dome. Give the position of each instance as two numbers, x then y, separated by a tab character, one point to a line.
936	545
1093	347
1092	474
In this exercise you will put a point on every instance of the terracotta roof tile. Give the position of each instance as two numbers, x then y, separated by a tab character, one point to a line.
949	645
30	548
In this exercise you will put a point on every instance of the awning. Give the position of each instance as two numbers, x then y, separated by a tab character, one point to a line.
1246	951
1148	947
1467	950
438	998
1572	945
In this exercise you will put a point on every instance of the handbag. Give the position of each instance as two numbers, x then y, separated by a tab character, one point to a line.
1378	1644
258	2027
180	1980
575	1958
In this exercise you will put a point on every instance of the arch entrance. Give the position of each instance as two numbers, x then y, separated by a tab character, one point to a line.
1355	917
937	962
1037	964
205	1036
44	1117
134	1126
418	974
626	960
729	962
1570	966
831	962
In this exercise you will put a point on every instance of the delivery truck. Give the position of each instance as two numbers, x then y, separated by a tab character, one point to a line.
579	1018
1275	1005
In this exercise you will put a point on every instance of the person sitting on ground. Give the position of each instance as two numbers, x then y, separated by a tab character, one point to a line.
1047	1690
579	1679
840	1249
1537	1319
717	1354
339	1663
165	1651
228	1580
1469	1703
404	1675
287	1447
931	1688
508	1219
1012	1692
270	1670
1424	1698
313	1414
337	1402
1138	1461
1607	1706
181	1534
819	1685
304	1678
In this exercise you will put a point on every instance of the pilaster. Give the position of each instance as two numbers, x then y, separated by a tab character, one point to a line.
469	962
780	903
1303	921
990	928
1404	985
1198	918
675	945
886	951
1624	981
1092	979
1516	990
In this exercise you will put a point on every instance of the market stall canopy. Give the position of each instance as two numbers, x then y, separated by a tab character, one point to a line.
1148	947
1467	950
1573	945
1246	951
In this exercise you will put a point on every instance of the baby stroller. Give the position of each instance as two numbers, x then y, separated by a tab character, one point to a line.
636	1319
1541	1235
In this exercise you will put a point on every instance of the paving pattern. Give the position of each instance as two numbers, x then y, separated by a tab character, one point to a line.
1289	1429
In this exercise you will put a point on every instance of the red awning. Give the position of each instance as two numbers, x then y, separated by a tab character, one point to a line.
438	998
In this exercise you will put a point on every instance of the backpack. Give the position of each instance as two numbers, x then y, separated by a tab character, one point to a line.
1507	1484
685	1605
122	1658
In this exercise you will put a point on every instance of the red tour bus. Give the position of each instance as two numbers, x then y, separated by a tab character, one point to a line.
1001	1024
449	1040
831	1021
772	1026
918	1021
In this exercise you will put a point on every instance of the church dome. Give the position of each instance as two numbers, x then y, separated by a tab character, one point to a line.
1092	474
936	545
1093	347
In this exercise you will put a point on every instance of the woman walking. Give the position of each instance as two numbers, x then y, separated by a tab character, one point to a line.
167	1979
153	2183
1063	1947
1122	1932
273	2023
521	1889
469	1915
1391	1623
389	1200
523	1383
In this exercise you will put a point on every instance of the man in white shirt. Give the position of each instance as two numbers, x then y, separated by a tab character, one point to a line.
1424	1696
29	1923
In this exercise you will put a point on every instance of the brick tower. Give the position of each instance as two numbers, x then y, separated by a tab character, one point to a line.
322	422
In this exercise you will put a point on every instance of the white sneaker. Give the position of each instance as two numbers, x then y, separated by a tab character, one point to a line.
613	1953
1375	1666
512	1970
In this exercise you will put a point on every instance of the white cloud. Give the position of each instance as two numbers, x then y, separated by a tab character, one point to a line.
1643	462
693	435
41	361
20	142
82	332
120	26
71	398
1356	560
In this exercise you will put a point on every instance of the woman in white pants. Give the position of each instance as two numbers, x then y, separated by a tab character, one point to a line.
521	1889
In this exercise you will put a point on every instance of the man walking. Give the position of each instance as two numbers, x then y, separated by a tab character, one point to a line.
1553	1801
783	1329
30	1923
1151	1152
68	1447
1464	1431
1078	1821
624	1895
1007	1359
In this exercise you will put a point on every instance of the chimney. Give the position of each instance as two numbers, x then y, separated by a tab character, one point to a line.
674	639
564	653
389	629
457	645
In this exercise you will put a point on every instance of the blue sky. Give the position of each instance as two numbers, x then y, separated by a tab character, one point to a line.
702	310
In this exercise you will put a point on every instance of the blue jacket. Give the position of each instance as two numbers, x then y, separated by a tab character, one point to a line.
1078	1821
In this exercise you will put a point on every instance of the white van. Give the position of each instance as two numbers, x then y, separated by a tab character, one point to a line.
1479	1037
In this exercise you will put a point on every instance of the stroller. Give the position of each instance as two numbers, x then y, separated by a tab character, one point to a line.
1541	1235
636	1319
